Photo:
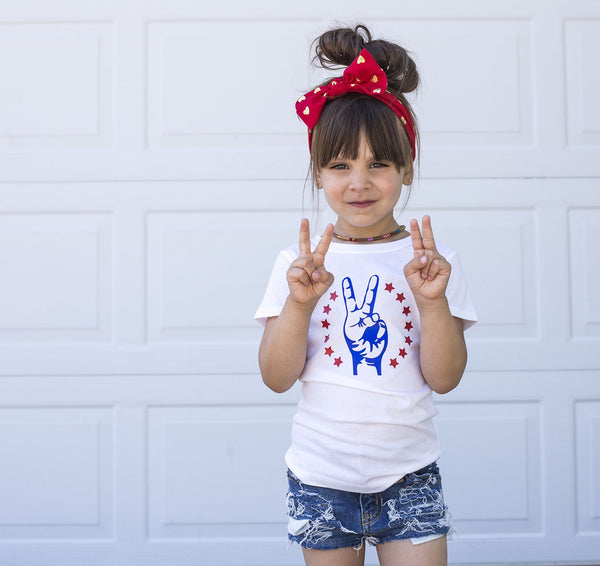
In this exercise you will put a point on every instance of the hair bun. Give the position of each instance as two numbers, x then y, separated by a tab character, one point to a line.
339	47
398	65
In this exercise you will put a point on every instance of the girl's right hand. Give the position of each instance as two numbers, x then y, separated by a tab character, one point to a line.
307	277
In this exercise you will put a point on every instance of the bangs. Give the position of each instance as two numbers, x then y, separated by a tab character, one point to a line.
345	119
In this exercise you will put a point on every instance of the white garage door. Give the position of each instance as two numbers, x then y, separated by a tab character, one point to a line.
151	164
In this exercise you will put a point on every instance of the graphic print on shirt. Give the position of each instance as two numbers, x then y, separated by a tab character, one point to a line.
365	332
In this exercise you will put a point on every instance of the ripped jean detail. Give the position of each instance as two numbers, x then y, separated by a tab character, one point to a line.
311	518
322	518
418	507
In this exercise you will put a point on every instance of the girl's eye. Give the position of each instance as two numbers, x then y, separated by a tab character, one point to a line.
379	164
338	166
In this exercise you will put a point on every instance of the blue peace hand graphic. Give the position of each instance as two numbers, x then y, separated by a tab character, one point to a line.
366	334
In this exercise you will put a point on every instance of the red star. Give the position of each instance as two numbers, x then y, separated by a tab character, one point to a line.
408	340
402	352
337	362
333	296
328	351
400	297
327	338
325	323
408	326
389	287
326	309
393	362
406	311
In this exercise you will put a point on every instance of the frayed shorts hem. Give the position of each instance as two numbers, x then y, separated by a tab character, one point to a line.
369	540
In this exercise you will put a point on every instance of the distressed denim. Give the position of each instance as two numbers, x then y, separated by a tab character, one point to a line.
413	508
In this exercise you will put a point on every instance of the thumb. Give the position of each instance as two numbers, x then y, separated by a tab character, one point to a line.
322	276
415	264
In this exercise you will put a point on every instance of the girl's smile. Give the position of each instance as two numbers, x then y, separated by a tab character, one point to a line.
363	192
362	204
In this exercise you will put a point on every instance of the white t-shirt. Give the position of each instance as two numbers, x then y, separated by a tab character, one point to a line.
366	414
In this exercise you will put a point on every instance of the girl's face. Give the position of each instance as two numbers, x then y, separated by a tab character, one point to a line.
363	193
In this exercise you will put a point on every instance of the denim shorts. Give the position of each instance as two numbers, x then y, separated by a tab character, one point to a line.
324	519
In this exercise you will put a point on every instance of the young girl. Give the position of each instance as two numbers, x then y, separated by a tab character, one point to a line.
370	318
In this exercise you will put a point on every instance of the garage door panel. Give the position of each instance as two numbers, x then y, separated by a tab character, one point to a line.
201	273
57	281
191	73
498	251
505	486
582	45
584	240
217	471
587	420
58	93
57	473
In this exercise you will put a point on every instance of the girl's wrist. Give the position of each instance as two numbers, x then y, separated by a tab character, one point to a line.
436	305
304	308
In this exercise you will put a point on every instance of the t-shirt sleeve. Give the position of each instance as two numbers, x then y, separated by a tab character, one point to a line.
277	288
457	293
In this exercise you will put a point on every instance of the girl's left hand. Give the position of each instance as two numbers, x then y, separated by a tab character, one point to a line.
428	272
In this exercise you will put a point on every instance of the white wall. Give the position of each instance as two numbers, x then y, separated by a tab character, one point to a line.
151	165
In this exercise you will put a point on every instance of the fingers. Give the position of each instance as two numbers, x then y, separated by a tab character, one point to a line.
322	276
314	262
427	265
308	268
428	240
436	266
418	263
425	241
304	241
348	292
432	267
415	235
323	245
422	262
370	294
302	268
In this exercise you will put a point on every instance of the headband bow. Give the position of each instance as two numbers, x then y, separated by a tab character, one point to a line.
363	75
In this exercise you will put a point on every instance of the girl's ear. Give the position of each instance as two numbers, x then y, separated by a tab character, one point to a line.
408	176
318	182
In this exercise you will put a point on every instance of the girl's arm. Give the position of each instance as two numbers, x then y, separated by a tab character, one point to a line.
443	350
282	352
443	354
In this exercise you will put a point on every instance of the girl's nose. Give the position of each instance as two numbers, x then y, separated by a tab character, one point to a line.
359	180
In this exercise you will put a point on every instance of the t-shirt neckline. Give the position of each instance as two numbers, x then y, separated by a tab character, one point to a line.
374	247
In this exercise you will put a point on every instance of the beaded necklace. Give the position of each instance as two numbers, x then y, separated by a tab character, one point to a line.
371	239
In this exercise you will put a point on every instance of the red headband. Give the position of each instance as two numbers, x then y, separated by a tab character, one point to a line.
363	75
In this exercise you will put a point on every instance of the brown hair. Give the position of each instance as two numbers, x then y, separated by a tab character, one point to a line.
346	118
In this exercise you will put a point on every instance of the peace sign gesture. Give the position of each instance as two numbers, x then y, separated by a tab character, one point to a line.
428	272
307	277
